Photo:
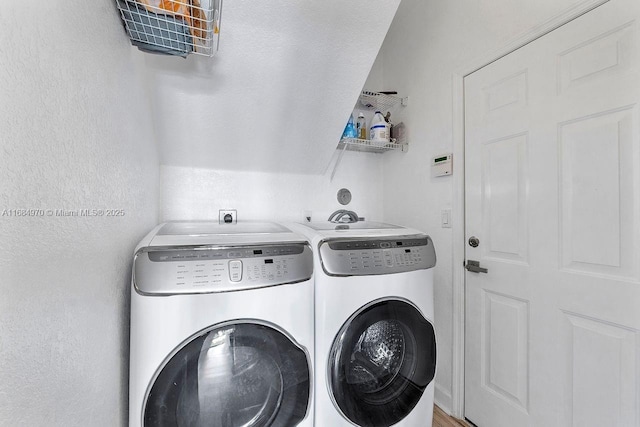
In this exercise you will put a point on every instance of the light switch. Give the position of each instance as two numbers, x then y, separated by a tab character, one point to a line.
446	218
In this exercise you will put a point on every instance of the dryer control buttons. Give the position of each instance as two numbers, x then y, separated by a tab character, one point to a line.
235	270
347	257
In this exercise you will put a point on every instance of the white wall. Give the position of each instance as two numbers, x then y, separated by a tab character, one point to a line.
75	133
189	193
427	42
278	94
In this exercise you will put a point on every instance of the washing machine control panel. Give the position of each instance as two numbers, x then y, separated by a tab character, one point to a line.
371	256
205	269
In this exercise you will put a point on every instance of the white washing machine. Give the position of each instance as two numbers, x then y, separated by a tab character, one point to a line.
222	327
375	340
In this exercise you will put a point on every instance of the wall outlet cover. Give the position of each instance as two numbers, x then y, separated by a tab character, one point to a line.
227	216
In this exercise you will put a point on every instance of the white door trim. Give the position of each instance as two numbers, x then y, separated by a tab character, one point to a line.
457	389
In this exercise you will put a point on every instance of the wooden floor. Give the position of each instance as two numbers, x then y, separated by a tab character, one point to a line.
441	419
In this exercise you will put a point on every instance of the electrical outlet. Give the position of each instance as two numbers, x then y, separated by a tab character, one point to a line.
227	216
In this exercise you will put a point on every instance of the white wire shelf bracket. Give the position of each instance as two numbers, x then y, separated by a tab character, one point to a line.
366	145
380	101
173	27
363	145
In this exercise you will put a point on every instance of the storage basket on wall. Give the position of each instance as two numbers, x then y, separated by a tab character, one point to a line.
173	27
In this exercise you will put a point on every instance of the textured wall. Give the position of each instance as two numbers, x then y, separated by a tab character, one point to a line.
75	133
427	42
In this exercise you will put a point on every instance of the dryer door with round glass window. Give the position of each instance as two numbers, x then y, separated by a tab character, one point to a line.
381	362
235	375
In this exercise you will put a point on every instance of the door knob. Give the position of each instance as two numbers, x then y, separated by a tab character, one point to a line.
474	267
474	241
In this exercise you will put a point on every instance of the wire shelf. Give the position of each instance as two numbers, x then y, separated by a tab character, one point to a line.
379	101
173	27
369	146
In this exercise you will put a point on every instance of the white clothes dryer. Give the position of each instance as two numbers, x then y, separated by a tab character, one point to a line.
375	341
222	327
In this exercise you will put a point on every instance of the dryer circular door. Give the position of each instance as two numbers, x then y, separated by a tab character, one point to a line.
232	375
381	362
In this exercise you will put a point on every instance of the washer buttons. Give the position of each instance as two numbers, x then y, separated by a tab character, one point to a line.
235	270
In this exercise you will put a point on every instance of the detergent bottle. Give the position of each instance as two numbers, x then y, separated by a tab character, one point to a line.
350	129
379	131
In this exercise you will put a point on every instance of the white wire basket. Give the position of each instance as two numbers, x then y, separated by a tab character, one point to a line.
173	27
379	101
369	146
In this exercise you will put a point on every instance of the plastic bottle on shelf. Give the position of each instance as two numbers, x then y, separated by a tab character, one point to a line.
387	119
379	131
350	129
361	126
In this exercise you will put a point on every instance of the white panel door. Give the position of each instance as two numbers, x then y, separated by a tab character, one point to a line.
552	155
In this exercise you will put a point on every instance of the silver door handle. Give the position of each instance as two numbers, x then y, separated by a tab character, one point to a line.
474	267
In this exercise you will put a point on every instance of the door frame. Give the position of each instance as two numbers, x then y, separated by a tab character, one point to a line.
458	205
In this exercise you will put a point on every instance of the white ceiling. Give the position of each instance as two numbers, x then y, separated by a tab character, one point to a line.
277	95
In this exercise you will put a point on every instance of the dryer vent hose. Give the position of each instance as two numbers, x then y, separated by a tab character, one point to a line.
342	216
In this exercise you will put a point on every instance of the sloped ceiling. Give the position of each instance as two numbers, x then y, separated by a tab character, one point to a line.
277	95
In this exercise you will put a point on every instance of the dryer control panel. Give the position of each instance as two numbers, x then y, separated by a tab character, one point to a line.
361	257
190	270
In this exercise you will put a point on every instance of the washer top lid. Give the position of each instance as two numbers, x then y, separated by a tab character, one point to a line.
361	225
203	228
362	229
194	233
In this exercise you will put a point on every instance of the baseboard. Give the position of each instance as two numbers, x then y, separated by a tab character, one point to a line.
442	398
